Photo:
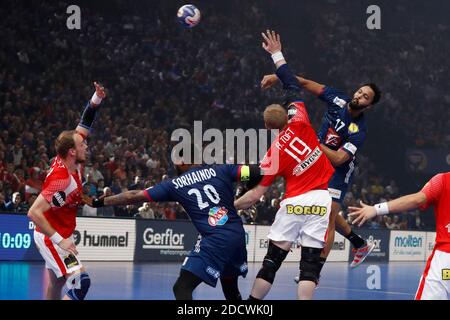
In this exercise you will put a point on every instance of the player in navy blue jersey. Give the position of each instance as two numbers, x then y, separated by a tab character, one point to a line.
342	133
207	194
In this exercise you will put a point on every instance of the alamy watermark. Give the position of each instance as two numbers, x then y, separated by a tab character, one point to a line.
214	146
374	280
74	20
374	20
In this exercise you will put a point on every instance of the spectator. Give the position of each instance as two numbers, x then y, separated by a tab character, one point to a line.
16	205
2	202
145	212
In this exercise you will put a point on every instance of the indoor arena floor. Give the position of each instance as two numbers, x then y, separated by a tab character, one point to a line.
154	281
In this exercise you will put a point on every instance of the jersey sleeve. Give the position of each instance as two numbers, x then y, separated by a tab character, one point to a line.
160	192
433	190
354	142
334	99
297	112
56	182
270	166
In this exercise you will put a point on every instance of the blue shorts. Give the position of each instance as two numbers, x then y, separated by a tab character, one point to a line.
338	186
210	261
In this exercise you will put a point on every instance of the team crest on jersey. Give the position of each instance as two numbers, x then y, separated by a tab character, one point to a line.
353	128
332	138
218	216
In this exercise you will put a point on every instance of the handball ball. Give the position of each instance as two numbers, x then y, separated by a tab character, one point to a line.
188	16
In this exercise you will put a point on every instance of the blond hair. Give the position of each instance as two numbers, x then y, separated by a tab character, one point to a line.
275	117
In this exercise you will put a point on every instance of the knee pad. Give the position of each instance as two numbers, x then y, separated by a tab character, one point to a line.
311	264
272	262
77	285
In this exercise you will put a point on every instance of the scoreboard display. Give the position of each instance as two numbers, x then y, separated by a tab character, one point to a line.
16	238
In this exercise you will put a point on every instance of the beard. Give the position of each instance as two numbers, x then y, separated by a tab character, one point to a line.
355	106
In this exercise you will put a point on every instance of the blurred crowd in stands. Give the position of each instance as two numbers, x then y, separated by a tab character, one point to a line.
161	77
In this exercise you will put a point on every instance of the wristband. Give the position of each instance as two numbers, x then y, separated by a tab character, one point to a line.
56	238
381	208
277	56
96	99
97	203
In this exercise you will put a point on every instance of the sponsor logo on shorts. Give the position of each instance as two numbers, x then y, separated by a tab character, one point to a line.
243	267
335	193
213	272
70	261
306	210
59	199
218	216
445	274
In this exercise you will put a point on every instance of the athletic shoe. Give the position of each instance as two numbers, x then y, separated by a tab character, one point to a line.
361	254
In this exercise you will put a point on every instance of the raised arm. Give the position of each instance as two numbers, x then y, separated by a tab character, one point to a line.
90	111
309	85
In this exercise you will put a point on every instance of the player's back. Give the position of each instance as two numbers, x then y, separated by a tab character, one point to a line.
207	195
296	155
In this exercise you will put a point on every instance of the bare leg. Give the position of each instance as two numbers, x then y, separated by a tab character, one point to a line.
332	226
262	287
55	286
305	290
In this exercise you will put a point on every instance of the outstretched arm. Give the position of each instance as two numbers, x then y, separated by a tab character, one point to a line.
250	197
401	204
123	198
90	111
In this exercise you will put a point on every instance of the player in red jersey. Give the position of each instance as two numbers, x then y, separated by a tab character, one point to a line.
304	212
54	211
435	281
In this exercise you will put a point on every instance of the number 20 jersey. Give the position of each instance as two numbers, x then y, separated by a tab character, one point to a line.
207	195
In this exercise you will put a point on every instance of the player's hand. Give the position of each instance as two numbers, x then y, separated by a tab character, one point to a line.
268	81
68	245
272	42
86	200
100	90
362	214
